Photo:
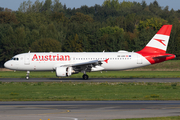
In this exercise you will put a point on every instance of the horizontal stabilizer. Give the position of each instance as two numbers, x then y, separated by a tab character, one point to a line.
162	56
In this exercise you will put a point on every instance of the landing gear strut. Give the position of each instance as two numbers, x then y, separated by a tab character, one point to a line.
85	76
27	75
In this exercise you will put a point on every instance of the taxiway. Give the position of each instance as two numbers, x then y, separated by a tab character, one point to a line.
87	110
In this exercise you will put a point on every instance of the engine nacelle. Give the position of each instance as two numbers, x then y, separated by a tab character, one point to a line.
63	71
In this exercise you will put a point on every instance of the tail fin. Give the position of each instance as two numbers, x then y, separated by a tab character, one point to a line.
159	43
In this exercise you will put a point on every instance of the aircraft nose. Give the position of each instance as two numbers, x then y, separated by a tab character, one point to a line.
6	64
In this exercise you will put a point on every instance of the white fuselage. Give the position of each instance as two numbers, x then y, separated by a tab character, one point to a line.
49	61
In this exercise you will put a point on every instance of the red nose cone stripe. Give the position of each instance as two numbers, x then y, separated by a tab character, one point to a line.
165	30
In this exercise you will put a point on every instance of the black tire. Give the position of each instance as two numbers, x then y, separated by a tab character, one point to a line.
85	77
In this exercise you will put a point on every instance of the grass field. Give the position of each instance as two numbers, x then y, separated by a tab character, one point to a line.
59	91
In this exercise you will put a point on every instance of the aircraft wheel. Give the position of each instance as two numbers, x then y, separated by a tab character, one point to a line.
85	76
27	77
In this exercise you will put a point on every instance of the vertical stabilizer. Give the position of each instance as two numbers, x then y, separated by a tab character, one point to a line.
159	43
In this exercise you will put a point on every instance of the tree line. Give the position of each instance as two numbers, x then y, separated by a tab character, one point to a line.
52	27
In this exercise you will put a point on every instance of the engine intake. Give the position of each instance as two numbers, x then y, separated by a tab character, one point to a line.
63	71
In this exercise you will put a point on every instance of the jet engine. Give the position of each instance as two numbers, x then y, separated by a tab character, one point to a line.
63	71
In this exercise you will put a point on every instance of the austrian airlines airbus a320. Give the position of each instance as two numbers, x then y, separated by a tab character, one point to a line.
68	63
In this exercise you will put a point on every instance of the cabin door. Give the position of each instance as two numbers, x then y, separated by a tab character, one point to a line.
139	59
27	59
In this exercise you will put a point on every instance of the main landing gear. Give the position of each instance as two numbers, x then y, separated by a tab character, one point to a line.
27	75
85	76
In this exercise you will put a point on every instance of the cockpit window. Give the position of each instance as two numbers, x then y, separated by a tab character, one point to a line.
15	58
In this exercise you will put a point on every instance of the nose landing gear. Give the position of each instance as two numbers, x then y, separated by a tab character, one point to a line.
27	75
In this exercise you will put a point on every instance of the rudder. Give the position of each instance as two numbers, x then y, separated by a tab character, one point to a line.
159	43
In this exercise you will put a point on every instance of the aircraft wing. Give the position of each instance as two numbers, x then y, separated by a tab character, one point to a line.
93	62
94	65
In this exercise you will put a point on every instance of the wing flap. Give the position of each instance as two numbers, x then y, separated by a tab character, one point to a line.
95	62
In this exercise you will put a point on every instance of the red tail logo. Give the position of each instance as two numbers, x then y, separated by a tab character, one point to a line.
161	41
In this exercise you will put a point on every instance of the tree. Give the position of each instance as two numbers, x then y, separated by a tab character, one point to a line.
1	9
155	23
37	6
13	42
73	44
80	18
7	47
8	17
144	5
155	8
111	4
110	30
47	6
57	6
59	17
46	45
25	6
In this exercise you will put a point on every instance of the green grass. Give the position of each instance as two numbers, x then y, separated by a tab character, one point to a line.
59	91
156	118
104	74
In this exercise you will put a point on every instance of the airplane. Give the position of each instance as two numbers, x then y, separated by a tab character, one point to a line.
68	63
